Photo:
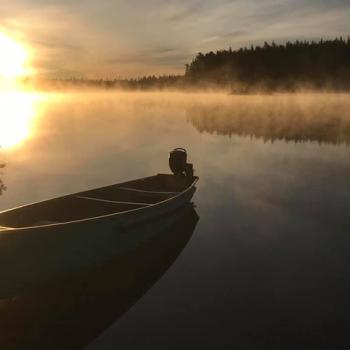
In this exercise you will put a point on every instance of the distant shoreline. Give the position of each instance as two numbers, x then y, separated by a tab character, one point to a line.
68	86
296	66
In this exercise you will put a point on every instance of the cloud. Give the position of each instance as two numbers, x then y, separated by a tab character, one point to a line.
161	56
139	36
232	35
186	11
235	34
296	9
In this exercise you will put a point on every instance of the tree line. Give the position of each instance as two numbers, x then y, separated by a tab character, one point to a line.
322	65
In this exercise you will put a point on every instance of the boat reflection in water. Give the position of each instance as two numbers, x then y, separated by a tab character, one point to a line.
71	313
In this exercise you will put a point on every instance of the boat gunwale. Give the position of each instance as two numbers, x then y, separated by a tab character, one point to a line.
9	230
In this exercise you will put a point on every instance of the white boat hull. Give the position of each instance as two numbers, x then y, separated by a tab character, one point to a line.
34	256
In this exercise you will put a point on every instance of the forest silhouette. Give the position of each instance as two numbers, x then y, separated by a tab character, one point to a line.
318	65
322	65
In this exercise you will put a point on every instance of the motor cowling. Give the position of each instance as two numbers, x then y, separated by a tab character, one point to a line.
178	162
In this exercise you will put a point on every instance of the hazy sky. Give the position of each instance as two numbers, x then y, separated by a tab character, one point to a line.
126	38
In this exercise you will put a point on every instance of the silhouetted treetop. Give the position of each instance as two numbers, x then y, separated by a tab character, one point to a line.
315	64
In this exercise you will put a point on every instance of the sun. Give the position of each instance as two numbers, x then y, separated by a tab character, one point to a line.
13	58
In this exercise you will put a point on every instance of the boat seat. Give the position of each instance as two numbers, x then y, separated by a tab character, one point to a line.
146	191
110	201
44	222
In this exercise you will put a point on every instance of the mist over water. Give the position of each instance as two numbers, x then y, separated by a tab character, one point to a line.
269	256
81	140
323	118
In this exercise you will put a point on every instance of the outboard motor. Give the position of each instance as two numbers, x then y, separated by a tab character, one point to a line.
178	163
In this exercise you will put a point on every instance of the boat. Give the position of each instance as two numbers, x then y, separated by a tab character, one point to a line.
43	241
83	305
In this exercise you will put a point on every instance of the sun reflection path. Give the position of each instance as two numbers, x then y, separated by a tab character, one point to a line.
17	108
17	112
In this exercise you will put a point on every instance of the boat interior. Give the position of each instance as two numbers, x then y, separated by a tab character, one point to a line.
97	202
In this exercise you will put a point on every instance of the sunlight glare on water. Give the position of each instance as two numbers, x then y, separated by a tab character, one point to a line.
18	110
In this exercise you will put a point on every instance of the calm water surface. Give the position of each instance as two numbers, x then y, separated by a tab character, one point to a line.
267	263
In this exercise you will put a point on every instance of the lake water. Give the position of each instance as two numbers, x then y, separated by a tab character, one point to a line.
266	264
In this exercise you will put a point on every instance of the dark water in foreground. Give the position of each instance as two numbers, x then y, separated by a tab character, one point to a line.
266	265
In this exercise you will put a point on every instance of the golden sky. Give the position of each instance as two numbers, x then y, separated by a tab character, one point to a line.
122	38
